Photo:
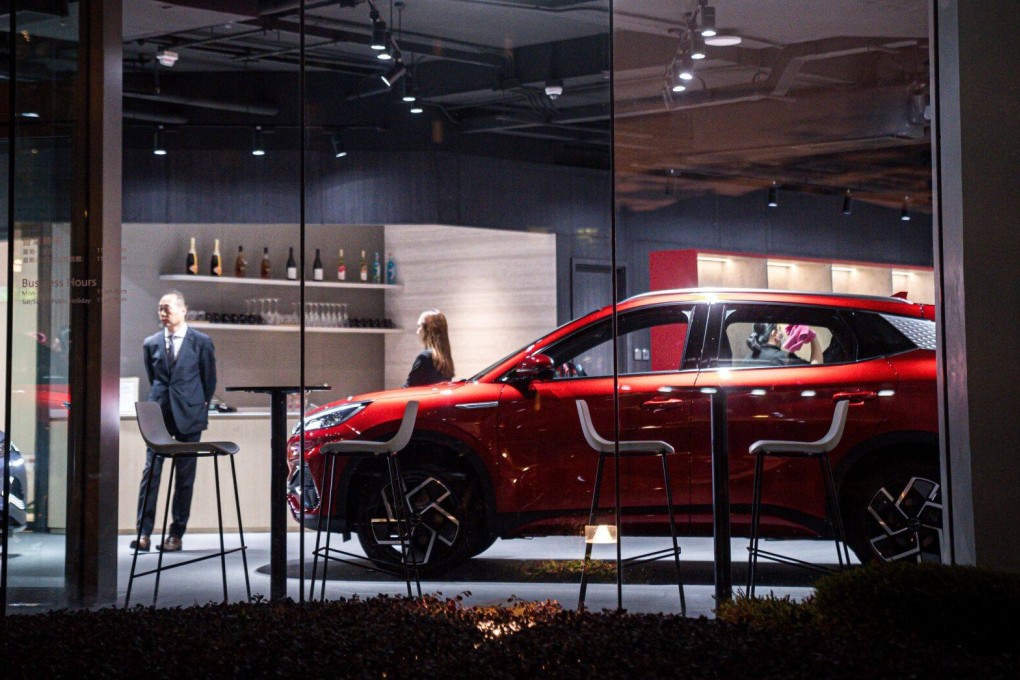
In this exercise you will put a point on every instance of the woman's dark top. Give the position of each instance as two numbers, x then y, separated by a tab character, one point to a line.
423	371
770	355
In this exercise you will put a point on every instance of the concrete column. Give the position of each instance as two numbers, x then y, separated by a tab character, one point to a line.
977	257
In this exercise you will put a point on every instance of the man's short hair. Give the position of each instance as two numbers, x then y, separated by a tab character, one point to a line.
178	295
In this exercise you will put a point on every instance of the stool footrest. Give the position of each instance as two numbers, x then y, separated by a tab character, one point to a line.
380	567
651	556
191	561
792	561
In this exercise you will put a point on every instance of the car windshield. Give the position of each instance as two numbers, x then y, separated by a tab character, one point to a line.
493	365
477	376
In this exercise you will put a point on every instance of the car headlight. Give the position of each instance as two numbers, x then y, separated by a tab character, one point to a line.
332	416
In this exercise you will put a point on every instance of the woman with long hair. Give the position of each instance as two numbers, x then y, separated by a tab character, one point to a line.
434	363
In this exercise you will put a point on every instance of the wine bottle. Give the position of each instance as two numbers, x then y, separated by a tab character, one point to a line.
341	268
376	269
266	269
216	262
317	267
240	264
391	270
191	264
364	267
291	265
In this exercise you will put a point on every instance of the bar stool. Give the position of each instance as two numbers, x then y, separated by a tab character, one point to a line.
818	450
629	449
368	449
154	432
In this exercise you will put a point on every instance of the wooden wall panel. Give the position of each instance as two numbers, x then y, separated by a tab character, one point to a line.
495	288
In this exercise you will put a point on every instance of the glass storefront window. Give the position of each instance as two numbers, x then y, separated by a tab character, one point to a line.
38	300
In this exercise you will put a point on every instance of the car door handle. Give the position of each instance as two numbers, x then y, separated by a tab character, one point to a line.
662	403
855	397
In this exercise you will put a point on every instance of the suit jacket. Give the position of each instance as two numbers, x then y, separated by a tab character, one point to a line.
186	389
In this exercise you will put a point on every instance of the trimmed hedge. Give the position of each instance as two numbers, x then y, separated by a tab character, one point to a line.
850	629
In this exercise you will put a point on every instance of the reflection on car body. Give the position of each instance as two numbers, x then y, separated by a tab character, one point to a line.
502	453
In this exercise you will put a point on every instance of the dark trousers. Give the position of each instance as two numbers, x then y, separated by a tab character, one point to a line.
184	484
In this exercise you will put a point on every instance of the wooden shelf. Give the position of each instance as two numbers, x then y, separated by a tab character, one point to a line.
290	329
255	281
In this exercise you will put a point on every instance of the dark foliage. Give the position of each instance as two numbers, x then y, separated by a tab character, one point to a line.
387	637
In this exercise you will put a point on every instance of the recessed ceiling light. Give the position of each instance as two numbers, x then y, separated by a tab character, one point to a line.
723	40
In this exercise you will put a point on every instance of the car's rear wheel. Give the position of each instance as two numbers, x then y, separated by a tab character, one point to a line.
893	512
445	527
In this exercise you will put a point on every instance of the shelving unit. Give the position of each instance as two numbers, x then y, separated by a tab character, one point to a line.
233	280
283	328
291	329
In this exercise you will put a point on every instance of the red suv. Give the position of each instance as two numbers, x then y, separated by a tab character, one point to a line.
502	453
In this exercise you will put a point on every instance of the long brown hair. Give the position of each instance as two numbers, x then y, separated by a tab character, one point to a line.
436	338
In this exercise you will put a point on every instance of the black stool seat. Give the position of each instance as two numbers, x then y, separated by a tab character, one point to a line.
628	449
818	450
157	438
359	448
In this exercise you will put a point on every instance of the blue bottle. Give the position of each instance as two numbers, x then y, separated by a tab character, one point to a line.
391	270
377	269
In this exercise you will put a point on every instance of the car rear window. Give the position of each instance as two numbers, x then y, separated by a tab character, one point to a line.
885	334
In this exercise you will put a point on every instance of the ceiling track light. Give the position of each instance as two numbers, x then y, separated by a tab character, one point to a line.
773	196
905	209
698	47
158	142
167	57
258	146
337	140
395	73
416	108
409	92
848	203
707	28
387	51
553	88
686	67
378	31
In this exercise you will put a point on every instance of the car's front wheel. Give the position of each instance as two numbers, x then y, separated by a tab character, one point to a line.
444	522
893	512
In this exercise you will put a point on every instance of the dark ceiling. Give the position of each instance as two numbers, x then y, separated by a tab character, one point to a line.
818	95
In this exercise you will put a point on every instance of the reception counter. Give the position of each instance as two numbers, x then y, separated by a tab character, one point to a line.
249	429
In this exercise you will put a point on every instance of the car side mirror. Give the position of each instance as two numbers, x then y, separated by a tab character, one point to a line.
535	367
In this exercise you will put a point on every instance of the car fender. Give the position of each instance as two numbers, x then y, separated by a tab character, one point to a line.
886	440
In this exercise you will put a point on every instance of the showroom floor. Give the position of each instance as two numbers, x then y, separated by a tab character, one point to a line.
491	578
529	569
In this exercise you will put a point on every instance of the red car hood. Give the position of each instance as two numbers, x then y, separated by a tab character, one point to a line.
403	393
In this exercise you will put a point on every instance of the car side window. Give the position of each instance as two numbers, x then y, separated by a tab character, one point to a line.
651	339
747	339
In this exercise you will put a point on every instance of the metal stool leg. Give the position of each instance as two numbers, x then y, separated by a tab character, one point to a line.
329	527
752	557
318	541
138	536
406	535
240	531
400	515
837	519
219	517
591	521
162	535
672	533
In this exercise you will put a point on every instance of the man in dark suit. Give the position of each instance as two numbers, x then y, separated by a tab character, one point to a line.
181	365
